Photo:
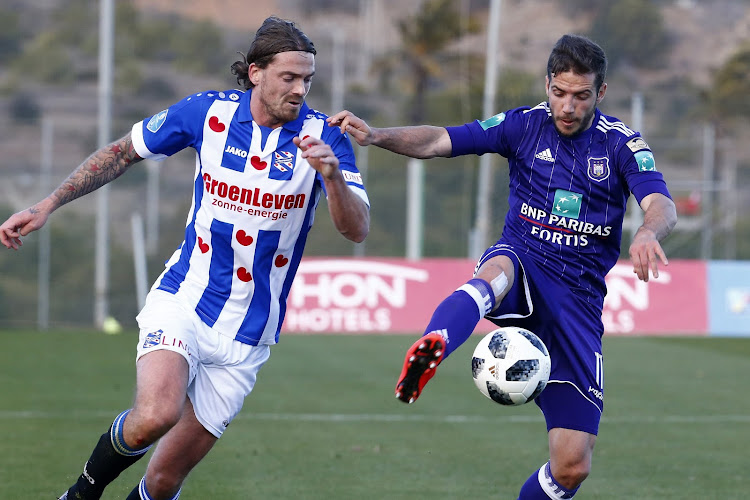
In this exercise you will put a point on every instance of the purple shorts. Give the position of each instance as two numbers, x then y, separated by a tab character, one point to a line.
572	330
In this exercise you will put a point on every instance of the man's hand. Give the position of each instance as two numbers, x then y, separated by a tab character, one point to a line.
319	155
22	223
645	254
355	126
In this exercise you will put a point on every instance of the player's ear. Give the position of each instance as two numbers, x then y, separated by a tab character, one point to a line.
602	91
253	74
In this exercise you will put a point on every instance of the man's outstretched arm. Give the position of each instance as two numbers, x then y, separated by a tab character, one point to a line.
419	141
103	166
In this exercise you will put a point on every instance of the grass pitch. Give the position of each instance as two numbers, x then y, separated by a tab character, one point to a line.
322	422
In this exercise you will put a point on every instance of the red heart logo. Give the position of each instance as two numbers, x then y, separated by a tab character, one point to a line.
243	238
215	125
281	261
257	164
244	275
202	245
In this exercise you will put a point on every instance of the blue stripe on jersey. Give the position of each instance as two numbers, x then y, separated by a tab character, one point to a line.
295	260
263	261
173	278
236	148
220	274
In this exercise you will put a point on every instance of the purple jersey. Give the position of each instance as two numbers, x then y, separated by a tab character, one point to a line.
567	195
253	204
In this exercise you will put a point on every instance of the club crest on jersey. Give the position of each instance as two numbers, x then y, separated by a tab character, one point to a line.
567	204
157	121
598	169
152	339
283	165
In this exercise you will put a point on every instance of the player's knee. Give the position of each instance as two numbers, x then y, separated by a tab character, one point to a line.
572	474
160	484
152	423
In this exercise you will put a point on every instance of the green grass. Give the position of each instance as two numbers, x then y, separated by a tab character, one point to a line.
323	424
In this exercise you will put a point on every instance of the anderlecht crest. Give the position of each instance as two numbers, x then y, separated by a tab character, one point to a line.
598	169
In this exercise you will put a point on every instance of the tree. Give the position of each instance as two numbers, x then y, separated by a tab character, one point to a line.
730	95
10	35
631	32
422	56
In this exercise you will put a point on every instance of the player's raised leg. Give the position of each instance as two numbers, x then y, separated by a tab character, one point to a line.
452	324
174	457
160	397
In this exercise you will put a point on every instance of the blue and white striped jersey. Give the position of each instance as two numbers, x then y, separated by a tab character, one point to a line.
253	204
568	196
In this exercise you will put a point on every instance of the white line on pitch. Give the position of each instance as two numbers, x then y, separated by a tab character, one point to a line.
397	418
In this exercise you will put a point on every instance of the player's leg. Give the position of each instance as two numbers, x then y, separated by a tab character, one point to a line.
174	457
573	401
453	322
224	377
568	467
160	394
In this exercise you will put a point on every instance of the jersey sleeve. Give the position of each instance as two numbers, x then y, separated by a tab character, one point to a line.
639	169
497	134
171	130
342	148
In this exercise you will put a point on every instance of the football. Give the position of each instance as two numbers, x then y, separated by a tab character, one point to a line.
511	366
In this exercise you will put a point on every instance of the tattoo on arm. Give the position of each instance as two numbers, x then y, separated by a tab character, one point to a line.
103	166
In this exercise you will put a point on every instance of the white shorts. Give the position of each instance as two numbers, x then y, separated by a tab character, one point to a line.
222	370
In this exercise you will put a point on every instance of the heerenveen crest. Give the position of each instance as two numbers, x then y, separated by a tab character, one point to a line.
283	160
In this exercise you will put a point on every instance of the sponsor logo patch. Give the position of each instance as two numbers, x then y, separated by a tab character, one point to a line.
492	121
545	155
636	144
157	121
567	204
645	161
352	177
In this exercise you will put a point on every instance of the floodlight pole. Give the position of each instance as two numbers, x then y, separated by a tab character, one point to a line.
106	46
44	232
484	189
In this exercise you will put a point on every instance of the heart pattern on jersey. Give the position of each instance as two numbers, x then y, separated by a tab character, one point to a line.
202	245
243	238
257	164
215	125
244	275
281	261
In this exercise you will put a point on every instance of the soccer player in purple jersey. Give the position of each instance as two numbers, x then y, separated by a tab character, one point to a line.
263	158
571	172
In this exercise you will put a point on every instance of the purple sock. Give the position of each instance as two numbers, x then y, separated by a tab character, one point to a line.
533	489
457	316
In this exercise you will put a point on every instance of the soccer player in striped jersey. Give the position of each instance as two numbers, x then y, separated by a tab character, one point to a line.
571	171
263	159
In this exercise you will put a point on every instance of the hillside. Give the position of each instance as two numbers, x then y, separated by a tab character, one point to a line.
703	34
701	37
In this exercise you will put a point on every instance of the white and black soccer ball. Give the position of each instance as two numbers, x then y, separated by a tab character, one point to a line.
511	366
